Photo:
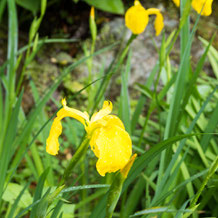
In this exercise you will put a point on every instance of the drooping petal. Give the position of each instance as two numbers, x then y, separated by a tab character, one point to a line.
158	24
108	120
136	18
177	2
114	148
106	109
52	144
205	4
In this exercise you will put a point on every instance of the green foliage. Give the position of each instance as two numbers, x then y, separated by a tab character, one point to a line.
12	193
33	6
173	127
112	6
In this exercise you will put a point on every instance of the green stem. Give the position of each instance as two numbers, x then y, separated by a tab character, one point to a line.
212	170
114	194
75	159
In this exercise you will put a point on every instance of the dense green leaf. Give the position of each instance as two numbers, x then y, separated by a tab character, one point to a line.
32	5
113	6
38	192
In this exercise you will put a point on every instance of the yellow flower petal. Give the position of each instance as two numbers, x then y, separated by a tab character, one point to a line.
158	24
177	2
198	5
128	166
64	102
109	120
136	18
205	4
106	109
109	141
52	144
113	120
114	148
71	112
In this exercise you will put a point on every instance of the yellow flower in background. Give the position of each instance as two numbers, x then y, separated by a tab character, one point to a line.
205	4
198	5
137	17
109	141
176	2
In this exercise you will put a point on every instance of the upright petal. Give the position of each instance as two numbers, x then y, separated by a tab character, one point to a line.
106	109
136	18
114	148
205	4
158	24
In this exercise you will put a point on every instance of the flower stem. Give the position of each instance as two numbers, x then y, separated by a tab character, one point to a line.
75	159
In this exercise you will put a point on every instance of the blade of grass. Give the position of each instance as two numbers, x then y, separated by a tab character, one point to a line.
31	166
38	192
142	161
154	103
76	188
1	114
133	198
124	109
12	50
9	138
210	173
212	55
172	117
193	80
46	41
157	210
211	126
90	198
142	99
114	66
180	187
10	76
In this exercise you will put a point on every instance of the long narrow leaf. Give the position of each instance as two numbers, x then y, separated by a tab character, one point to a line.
9	138
38	192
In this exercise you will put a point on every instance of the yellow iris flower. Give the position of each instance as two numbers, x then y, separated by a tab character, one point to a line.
109	141
137	17
198	5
